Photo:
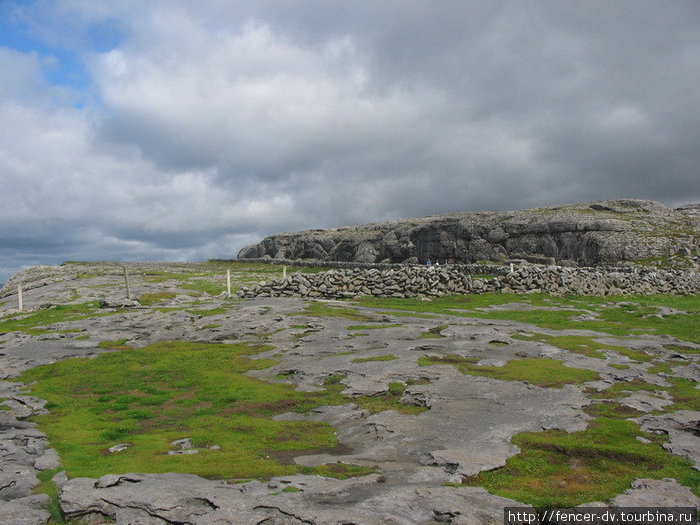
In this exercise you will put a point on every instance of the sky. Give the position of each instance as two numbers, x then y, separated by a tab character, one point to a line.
181	130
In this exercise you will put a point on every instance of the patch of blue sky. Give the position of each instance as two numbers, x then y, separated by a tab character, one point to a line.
64	59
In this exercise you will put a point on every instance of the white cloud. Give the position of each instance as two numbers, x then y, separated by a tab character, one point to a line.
250	101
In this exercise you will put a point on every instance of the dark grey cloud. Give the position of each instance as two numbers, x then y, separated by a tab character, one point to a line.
217	123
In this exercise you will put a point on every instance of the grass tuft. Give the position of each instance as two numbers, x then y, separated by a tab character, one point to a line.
538	371
387	357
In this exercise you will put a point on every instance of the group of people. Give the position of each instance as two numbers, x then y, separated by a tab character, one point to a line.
437	263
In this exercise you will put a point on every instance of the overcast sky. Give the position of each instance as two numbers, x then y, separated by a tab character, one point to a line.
184	130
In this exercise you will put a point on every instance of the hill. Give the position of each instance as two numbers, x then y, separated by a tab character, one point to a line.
586	234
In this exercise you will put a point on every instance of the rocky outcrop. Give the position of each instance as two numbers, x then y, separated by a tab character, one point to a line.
588	234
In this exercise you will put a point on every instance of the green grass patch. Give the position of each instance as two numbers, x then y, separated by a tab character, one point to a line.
151	396
208	312
387	357
612	409
660	368
147	299
116	344
577	344
204	285
434	333
48	487
373	326
148	397
333	379
585	345
36	323
538	371
618	366
556	469
684	393
682	349
209	327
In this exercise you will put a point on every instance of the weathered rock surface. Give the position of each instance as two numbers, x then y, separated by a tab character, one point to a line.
589	234
25	511
182	498
656	493
682	427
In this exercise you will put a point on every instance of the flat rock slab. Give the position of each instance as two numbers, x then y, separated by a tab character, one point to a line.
682	428
656	493
25	511
183	498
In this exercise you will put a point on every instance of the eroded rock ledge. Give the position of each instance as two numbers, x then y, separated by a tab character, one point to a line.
588	234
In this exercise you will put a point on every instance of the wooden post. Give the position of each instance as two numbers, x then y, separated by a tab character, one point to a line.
511	267
228	282
126	281
284	272
19	297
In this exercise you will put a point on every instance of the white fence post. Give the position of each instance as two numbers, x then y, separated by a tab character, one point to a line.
284	272
228	282
126	281
19	297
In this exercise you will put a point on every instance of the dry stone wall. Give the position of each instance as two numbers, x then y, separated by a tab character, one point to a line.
427	281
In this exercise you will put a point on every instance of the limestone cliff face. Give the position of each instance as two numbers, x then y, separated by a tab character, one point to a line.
603	232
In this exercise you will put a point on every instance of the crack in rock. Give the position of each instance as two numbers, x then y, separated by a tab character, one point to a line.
284	513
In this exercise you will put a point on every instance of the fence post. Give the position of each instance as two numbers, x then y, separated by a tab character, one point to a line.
228	282
19	297
511	267
126	281
284	272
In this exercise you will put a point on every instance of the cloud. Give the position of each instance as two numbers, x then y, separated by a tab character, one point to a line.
249	103
198	128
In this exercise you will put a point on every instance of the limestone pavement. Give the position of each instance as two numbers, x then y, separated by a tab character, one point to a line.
467	429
